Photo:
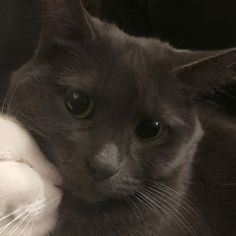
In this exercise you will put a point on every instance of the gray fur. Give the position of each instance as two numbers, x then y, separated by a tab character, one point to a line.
130	79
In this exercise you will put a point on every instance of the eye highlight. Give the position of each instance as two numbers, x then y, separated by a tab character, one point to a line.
148	130
79	103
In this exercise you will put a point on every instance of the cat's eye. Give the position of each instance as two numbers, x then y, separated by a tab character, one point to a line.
148	130
79	103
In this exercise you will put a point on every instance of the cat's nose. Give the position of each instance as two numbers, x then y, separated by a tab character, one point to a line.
102	172
105	164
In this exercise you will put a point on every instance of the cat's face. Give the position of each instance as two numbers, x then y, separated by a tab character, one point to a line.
111	111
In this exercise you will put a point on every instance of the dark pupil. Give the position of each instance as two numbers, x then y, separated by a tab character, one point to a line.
77	103
148	129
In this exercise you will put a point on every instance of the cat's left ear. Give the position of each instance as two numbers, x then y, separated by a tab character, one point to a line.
206	72
65	21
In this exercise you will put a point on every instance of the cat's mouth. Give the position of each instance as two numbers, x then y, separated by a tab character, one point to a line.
99	192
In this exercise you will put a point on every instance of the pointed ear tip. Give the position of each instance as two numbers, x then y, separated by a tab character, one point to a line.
232	70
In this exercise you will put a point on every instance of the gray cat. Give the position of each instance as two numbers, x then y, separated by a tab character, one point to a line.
122	119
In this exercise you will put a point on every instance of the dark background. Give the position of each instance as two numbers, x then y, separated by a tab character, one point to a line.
195	24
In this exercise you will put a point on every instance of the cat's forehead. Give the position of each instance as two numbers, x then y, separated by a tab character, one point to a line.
141	54
122	60
125	82
120	67
117	58
129	69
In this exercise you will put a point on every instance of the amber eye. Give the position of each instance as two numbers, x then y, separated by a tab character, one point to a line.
79	103
148	130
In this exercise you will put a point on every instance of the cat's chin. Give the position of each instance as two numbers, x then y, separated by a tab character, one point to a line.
97	196
85	204
95	192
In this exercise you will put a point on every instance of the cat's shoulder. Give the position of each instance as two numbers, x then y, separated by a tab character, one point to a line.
215	160
213	185
219	140
216	123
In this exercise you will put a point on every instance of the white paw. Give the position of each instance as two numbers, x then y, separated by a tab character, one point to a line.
29	197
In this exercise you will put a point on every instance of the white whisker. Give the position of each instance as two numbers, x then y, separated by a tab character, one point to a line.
179	204
138	210
184	200
135	209
147	204
186	204
11	97
10	214
178	215
131	206
166	210
25	227
31	227
17	226
10	223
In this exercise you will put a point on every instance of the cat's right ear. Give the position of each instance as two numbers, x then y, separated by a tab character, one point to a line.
204	73
64	21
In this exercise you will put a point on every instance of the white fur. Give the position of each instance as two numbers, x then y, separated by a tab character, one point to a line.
29	198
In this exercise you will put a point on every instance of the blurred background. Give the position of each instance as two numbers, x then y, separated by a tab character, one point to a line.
193	24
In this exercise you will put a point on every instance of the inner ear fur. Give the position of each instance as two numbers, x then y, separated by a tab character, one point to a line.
213	71
66	21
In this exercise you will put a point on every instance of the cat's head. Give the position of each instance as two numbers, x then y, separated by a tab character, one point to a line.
113	112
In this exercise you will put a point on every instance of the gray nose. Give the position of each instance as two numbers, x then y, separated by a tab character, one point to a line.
105	164
102	172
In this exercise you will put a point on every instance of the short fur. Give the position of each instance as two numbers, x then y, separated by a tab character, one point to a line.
29	196
130	79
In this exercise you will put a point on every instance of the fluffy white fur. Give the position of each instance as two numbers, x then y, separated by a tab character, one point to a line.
29	197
